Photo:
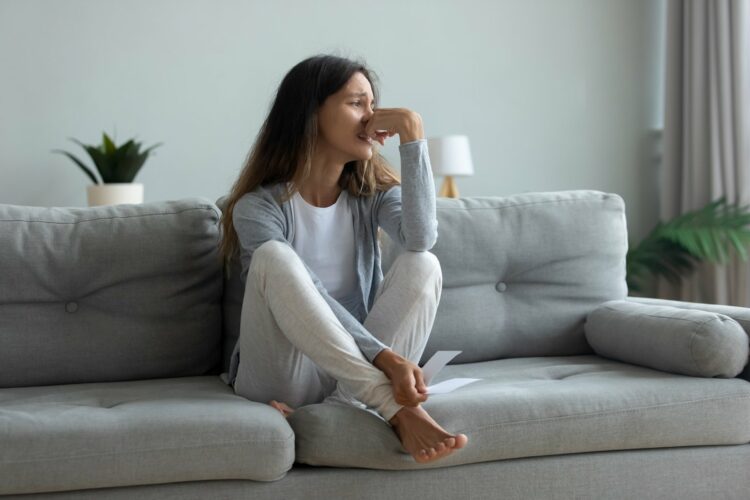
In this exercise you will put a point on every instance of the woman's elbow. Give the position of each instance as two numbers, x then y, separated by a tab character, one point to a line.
423	242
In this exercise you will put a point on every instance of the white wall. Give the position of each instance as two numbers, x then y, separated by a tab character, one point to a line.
553	94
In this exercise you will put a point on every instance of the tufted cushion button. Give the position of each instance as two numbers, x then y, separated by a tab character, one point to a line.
71	307
500	287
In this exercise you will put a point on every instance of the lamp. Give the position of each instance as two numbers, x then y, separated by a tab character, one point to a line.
450	156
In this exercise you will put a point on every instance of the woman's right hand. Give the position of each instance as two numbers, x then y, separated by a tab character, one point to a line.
387	122
406	377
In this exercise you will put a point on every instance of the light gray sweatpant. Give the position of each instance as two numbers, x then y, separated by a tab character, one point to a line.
293	348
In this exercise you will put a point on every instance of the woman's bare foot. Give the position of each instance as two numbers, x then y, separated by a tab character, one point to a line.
422	437
283	408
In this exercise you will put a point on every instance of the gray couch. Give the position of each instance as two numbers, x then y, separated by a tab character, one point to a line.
117	323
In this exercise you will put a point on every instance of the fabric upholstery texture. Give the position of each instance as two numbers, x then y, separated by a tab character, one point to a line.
109	293
684	341
522	272
690	473
77	436
740	314
525	407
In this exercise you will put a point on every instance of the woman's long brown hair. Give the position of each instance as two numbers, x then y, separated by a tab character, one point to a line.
283	149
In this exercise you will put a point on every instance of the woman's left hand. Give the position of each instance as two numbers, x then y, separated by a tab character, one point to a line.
387	122
407	380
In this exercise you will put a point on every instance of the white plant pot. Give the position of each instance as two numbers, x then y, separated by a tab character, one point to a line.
115	193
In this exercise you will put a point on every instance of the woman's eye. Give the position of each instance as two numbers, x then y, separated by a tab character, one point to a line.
359	103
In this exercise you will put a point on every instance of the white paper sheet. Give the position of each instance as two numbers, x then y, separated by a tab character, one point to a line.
436	363
449	385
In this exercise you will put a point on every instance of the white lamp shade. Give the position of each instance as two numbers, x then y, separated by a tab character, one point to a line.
450	155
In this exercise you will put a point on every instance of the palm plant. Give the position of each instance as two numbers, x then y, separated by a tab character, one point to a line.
672	249
114	164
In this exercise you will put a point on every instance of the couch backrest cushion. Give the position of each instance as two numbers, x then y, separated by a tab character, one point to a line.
520	273
109	293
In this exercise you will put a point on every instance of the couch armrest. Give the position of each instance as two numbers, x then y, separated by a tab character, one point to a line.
740	314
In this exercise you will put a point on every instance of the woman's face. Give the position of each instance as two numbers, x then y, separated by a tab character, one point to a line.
342	118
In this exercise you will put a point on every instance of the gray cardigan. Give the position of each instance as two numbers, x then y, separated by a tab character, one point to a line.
409	220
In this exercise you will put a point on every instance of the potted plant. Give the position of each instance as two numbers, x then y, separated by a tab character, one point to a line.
117	167
672	249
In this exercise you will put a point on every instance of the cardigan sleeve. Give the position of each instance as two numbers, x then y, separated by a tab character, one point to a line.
407	212
257	218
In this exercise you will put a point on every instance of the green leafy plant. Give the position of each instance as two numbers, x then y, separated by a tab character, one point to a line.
672	249
114	164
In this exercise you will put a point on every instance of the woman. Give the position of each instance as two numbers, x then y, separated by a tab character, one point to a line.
319	320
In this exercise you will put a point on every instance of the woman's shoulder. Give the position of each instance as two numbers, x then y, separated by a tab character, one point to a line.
262	197
389	193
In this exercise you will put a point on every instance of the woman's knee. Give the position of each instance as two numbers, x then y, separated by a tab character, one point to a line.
272	249
270	255
425	265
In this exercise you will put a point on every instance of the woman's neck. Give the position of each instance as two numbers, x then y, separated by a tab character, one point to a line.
320	192
322	189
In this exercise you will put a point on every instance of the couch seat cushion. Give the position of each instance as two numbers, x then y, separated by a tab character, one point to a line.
70	437
526	407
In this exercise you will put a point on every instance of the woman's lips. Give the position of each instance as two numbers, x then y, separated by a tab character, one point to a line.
363	137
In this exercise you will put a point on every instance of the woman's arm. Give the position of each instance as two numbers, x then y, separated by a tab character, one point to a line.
407	212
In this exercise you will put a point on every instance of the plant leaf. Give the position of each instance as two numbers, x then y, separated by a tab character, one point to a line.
132	163
108	147
121	160
100	159
735	239
657	256
141	159
152	147
78	162
719	240
704	232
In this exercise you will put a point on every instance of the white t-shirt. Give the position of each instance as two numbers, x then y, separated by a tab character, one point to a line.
324	239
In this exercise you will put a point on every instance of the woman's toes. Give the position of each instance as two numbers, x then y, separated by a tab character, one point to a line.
286	407
461	440
282	408
450	442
